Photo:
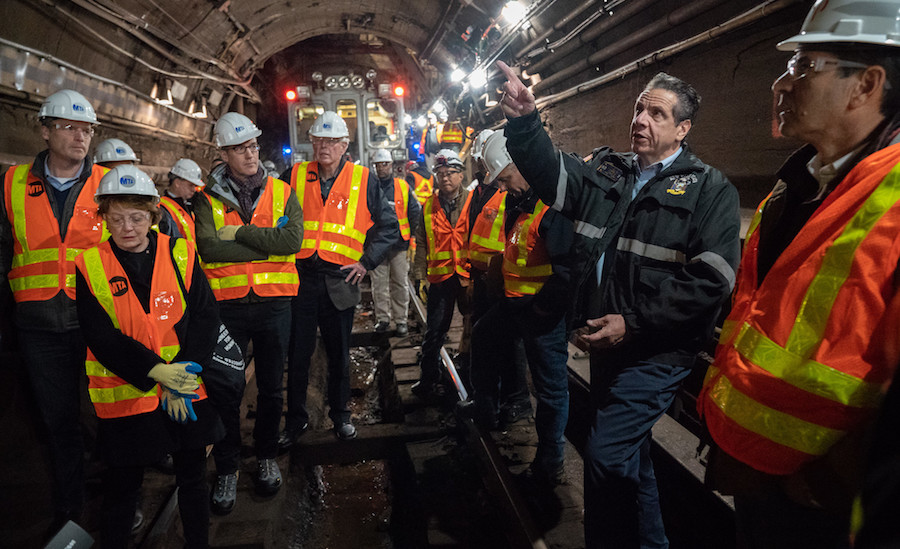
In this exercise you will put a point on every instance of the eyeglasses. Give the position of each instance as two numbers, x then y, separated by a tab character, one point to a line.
444	174
134	219
72	128
799	65
327	141
241	149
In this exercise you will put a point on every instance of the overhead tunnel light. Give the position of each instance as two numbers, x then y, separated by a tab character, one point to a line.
457	75
478	79
514	11
198	112
161	92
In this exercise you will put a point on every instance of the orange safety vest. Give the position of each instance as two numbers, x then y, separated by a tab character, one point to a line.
336	230
446	253
183	217
113	397
275	276
526	263
450	134
488	236
424	187
804	356
43	263
401	206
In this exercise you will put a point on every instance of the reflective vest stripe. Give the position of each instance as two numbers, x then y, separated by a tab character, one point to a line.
424	187
401	206
445	255
488	237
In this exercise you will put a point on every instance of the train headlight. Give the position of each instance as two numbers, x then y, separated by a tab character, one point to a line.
344	82
358	81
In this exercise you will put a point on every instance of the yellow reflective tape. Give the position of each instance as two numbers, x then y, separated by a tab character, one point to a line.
530	288
757	217
534	271
218	212
277	202
728	328
770	423
440	255
344	230
441	270
355	184
17	194
823	290
808	375
300	183
111	395
99	282
32	257
226	282
275	278
168	352
489	243
310	225
308	243
34	282
70	280
345	251
180	254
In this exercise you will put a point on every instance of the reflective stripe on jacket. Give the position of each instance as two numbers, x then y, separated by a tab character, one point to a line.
43	263
803	356
488	236
112	396
401	206
446	254
526	263
275	276
336	230
183	217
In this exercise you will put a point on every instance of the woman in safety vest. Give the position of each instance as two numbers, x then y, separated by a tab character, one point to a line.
149	319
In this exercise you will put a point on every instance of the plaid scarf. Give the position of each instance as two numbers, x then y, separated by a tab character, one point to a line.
247	188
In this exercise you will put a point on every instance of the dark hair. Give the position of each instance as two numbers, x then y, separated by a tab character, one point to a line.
883	56
688	98
136	201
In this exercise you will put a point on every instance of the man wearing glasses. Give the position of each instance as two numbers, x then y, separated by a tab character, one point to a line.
811	340
47	216
349	228
249	227
441	260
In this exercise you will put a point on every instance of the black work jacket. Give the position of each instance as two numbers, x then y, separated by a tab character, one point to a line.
671	253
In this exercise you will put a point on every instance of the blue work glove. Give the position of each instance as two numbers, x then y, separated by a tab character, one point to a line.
282	221
179	406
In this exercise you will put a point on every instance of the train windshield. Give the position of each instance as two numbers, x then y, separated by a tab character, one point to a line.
384	126
348	109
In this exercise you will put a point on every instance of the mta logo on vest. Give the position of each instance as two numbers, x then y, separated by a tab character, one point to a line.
35	189
77	108
126	181
118	285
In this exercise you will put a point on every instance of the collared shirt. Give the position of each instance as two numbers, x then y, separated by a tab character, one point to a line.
448	205
642	176
59	183
824	174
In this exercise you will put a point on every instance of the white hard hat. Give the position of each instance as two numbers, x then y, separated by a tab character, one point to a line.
114	150
478	145
381	155
495	155
188	170
69	105
269	165
329	124
447	157
849	21
126	179
234	128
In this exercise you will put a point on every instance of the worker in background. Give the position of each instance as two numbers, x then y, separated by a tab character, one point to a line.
451	136
654	256
420	180
185	179
441	261
350	227
810	344
269	166
486	241
47	216
249	226
390	279
533	309
114	152
153	327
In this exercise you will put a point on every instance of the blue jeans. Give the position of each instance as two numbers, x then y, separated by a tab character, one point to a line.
493	361
311	309
621	499
266	323
55	365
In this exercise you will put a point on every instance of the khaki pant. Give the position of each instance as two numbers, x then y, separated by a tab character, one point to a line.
389	287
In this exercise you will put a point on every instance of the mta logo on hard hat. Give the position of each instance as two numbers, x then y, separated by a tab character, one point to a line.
126	181
326	126
120	150
239	129
77	108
